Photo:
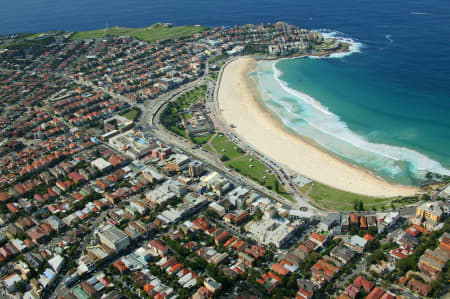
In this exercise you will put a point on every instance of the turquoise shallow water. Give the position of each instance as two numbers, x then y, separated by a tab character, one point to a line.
396	130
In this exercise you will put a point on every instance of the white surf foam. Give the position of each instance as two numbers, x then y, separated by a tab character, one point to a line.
321	119
421	13
303	96
355	47
389	38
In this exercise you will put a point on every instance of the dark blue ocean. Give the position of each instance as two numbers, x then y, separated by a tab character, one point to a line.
390	101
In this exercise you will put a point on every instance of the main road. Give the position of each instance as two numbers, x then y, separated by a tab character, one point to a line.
150	124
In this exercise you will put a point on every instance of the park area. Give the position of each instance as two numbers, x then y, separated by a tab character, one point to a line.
149	34
132	114
226	148
235	158
171	118
333	199
250	167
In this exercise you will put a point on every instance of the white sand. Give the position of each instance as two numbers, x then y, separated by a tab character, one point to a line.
260	129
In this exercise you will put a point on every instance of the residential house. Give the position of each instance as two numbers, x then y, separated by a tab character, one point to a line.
419	287
356	243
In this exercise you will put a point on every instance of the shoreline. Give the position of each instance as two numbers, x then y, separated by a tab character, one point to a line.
237	101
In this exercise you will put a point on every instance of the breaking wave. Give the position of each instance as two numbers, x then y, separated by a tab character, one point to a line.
329	131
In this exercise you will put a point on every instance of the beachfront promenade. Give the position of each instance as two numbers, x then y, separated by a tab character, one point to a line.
281	171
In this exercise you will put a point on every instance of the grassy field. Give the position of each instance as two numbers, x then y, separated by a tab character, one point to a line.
178	131
29	43
187	116
218	58
149	34
201	139
36	35
225	147
132	114
191	97
257	173
208	148
305	188
194	95
333	199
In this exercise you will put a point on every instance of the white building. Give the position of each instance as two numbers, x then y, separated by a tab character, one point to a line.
236	196
47	278
114	238
273	231
10	282
56	263
391	218
356	243
101	164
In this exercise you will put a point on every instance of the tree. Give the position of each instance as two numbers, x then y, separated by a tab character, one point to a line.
21	235
360	205
277	186
377	256
373	245
406	264
21	286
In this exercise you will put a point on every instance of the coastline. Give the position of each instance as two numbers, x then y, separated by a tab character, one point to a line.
260	128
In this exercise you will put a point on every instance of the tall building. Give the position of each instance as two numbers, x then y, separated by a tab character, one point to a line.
430	211
196	169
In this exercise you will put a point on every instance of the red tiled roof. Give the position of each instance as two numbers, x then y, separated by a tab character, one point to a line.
369	237
376	293
361	281
387	296
279	269
157	245
354	218
315	236
4	196
363	221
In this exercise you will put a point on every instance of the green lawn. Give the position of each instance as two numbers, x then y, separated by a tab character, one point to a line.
191	97
29	43
132	114
213	76
194	95
201	139
208	148
305	188
257	173
187	116
333	199
149	34
218	58
225	147
178	131
35	35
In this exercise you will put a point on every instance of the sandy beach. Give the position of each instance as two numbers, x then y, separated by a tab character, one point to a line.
264	132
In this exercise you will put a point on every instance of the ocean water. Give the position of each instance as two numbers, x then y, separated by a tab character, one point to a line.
385	107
